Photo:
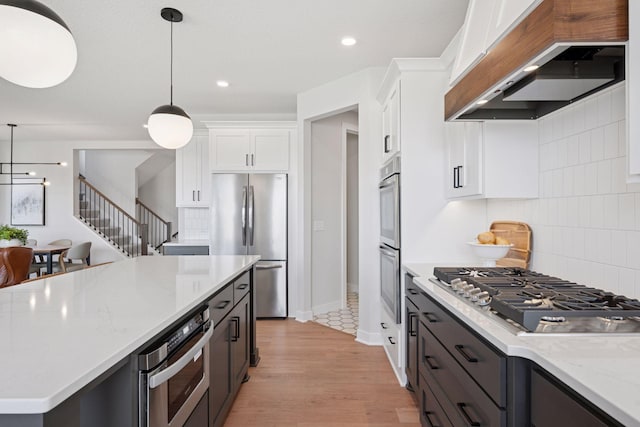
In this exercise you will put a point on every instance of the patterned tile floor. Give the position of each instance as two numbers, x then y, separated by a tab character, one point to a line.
345	320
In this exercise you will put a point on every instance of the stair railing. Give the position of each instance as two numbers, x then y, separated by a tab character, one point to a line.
112	221
159	229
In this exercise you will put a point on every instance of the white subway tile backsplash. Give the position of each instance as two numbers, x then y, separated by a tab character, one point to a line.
604	108
618	175
579	118
585	147
591	178
626	212
618	103
586	222
611	211
591	112
604	177
596	208
597	144
611	141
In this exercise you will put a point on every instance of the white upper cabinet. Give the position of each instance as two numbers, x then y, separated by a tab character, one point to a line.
192	173
486	23
250	149
391	124
633	94
494	159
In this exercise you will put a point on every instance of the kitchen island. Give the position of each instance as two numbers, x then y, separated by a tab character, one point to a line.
600	368
64	335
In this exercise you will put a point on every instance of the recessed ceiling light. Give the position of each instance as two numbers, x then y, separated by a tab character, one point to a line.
348	41
482	101
145	125
222	83
531	68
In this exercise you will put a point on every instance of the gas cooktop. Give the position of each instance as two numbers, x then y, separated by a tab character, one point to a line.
540	303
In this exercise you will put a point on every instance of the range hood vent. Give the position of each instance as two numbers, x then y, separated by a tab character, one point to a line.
578	46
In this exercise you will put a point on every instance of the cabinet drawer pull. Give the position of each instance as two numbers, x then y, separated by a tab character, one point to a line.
383	325
246	160
466	416
412	332
193	196
427	360
413	291
431	317
222	305
391	340
464	354
243	286
252	161
427	416
236	328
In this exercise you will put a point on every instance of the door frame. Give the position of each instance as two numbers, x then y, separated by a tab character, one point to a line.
347	128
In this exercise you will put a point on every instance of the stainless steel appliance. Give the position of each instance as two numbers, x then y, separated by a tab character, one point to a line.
530	302
249	217
173	377
390	284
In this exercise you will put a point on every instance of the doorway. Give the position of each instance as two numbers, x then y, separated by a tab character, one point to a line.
334	207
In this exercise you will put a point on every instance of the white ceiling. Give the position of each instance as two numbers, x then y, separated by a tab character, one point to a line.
269	50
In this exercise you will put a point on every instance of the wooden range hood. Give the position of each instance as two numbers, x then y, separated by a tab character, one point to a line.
551	28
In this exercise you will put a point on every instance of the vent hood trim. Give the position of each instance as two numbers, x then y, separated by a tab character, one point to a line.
548	30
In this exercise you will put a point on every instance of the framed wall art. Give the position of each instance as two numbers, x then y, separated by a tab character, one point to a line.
28	202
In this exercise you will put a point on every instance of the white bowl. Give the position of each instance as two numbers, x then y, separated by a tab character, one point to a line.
489	253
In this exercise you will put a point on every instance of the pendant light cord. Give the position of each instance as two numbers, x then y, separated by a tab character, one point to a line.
171	65
11	155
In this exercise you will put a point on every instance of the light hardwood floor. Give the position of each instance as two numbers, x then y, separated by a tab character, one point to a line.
313	376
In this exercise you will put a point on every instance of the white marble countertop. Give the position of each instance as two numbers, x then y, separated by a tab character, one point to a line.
602	368
60	333
188	242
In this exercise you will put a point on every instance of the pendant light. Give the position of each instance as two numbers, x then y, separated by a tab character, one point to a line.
36	46
168	125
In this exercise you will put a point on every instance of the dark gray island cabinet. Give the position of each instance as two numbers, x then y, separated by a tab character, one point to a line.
112	398
460	379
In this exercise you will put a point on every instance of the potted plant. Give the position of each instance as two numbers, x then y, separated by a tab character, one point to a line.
11	236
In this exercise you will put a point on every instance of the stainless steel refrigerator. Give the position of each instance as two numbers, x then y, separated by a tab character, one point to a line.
249	217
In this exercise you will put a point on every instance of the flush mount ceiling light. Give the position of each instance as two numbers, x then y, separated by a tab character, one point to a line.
36	46
168	125
222	83
348	41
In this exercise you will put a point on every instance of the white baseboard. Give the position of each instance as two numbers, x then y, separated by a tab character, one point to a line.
304	316
324	308
369	338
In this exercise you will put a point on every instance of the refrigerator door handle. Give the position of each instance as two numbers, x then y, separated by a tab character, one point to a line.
244	216
268	266
251	215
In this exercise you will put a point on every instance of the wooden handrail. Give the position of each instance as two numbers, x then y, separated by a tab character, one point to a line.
138	202
101	194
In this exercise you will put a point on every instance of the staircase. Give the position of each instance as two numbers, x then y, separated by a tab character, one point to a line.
127	234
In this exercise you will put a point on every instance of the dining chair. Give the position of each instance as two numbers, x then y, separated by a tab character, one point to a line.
59	242
75	258
14	265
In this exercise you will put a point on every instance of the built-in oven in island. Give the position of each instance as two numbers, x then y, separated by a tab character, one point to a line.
173	375
390	285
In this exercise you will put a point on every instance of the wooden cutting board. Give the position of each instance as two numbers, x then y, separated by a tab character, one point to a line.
519	234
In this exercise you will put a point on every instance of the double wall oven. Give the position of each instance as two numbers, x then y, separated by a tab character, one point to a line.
390	237
173	375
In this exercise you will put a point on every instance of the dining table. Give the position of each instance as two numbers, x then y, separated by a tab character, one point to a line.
48	251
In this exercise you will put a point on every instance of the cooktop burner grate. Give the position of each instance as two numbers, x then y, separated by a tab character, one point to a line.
527	297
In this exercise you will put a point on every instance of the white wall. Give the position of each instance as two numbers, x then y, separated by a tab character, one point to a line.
586	223
352	211
359	90
159	194
326	210
113	172
60	196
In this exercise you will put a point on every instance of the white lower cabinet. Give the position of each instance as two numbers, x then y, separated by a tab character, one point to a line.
493	159
192	173
390	332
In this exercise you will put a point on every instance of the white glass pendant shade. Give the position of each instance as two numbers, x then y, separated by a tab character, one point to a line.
36	47
170	127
